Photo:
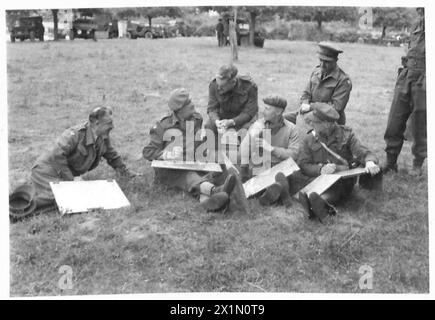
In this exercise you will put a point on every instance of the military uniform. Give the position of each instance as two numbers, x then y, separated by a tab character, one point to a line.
313	156
409	97
284	140
239	104
77	151
182	179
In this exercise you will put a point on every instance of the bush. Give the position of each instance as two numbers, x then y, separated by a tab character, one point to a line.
205	30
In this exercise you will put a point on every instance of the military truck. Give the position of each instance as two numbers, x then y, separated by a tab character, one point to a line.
83	28
28	28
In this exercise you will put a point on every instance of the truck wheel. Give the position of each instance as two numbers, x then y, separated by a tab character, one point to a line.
148	35
32	36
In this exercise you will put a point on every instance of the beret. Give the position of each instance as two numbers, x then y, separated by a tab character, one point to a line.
178	99
328	51
227	72
323	112
275	101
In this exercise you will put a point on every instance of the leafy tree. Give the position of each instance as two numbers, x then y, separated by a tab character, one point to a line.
152	12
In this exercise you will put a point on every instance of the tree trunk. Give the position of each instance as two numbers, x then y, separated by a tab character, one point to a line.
55	23
149	21
252	28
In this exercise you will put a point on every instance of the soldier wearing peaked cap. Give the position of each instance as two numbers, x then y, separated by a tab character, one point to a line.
328	84
232	100
161	147
283	144
326	149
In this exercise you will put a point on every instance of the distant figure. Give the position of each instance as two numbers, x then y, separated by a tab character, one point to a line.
220	33
409	98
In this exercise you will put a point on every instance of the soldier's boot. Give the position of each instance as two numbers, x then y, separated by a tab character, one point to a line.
270	195
216	201
305	202
417	168
321	208
245	173
285	189
390	164
228	185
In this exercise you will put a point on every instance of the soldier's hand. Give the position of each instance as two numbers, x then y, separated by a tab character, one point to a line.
175	154
372	168
227	123
305	107
328	168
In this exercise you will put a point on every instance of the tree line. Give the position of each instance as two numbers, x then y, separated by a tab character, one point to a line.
383	17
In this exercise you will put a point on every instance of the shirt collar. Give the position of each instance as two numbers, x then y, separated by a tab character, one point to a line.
334	74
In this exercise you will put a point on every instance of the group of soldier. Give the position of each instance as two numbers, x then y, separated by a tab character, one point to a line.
315	136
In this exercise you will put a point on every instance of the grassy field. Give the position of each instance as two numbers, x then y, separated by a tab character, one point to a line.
164	242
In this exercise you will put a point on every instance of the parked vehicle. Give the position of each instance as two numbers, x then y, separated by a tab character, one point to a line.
135	31
242	31
28	28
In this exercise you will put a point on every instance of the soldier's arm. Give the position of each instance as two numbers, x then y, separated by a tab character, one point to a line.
213	103
306	163
250	109
292	149
154	149
112	157
341	94
359	151
65	145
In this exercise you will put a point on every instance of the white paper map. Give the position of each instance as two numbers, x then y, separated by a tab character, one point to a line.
82	196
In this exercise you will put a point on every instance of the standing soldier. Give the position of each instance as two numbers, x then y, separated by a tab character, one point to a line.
409	97
160	147
220	33
232	100
78	150
328	84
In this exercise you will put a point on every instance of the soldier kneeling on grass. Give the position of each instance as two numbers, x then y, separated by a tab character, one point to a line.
161	147
77	151
326	149
284	143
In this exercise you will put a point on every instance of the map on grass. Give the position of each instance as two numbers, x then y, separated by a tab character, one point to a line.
82	196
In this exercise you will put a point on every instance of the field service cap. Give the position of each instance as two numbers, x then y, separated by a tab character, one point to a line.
328	51
178	99
323	112
275	101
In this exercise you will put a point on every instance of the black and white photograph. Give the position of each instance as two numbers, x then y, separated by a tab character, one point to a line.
215	148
